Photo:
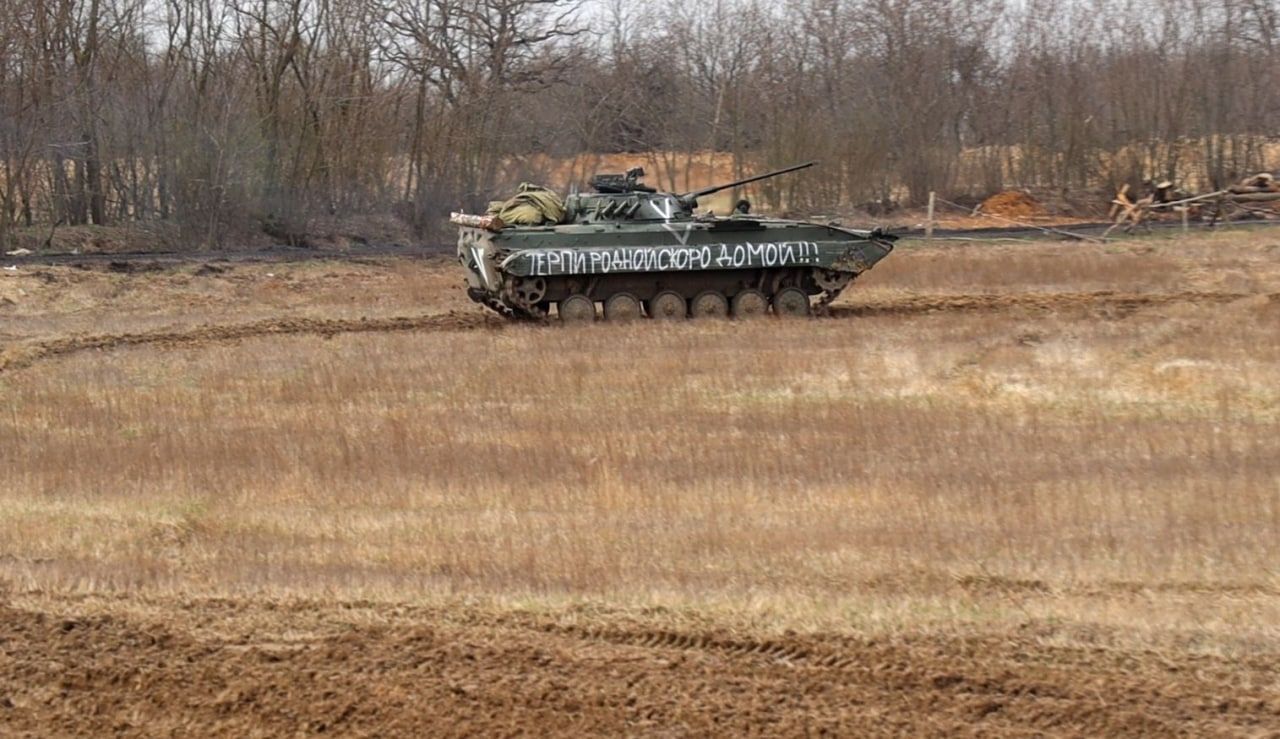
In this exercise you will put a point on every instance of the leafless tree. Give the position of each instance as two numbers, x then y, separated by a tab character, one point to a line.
224	116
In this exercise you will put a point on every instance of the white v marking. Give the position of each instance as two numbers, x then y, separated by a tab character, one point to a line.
665	208
682	237
478	254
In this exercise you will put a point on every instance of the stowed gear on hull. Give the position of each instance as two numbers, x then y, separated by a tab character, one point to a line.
639	252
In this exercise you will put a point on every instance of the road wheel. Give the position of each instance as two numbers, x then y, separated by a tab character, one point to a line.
831	280
668	306
709	304
791	302
750	304
577	309
527	292
622	307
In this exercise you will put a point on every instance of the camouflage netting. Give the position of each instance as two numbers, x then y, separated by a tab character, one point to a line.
533	205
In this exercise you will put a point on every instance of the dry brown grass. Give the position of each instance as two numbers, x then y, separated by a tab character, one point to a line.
1116	476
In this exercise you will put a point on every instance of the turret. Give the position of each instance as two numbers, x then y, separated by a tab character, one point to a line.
621	197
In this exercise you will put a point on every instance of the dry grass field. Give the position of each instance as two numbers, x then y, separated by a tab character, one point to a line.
1028	489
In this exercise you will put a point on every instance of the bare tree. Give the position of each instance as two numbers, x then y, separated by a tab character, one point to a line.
231	116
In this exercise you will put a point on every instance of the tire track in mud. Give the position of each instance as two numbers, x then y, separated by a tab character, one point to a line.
1119	302
25	355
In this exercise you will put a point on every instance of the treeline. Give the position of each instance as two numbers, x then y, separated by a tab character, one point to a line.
221	115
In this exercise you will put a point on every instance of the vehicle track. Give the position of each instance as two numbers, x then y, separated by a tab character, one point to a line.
441	673
793	653
24	354
1042	302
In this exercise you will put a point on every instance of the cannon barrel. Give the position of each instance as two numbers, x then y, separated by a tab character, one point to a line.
692	197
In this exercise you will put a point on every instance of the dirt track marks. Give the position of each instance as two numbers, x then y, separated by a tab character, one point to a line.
735	647
273	669
1116	302
1028	684
24	355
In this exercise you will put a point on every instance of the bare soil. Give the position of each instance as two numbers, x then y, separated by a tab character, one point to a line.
247	667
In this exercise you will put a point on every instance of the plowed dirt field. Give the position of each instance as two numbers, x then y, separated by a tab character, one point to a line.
242	668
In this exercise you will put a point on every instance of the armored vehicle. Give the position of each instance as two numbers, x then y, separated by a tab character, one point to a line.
628	251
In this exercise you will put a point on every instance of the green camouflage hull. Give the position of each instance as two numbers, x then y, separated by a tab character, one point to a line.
528	271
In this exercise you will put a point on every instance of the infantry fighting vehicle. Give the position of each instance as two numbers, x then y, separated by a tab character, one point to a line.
638	252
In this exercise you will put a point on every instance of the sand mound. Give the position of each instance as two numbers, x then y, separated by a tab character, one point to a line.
1012	204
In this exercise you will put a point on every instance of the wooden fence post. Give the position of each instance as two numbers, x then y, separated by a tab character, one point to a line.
928	224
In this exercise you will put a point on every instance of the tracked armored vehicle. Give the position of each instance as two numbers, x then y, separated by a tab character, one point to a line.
636	252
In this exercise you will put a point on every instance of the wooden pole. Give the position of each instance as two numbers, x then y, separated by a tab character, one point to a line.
1186	220
928	224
